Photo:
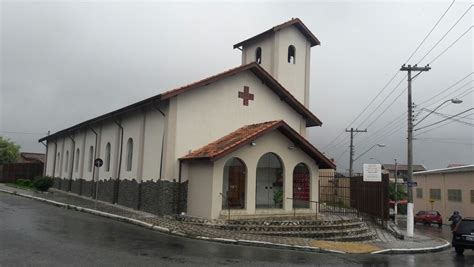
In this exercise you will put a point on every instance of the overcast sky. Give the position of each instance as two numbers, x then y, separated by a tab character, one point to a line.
63	63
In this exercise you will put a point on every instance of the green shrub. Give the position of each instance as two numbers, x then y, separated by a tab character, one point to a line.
23	182
42	183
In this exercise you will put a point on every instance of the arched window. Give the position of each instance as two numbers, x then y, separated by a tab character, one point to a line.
58	162
91	158
301	186
233	186
291	54
270	180
66	162
258	55
129	154
77	160
107	157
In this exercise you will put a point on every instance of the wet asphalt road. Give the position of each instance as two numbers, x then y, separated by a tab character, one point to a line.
37	234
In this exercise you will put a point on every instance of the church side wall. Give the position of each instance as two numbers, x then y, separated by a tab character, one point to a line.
207	114
201	194
50	158
138	188
154	131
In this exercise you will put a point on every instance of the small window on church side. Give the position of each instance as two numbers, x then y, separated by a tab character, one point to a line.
91	158
291	54
258	55
107	157
77	160
66	161
129	154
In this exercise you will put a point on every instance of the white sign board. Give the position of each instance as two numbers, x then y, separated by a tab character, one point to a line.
372	173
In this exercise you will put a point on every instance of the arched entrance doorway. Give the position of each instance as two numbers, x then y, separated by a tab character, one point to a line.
269	182
233	186
301	186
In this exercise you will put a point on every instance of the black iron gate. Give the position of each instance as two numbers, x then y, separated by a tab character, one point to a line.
354	197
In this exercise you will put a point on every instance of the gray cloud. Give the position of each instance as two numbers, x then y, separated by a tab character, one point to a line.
62	63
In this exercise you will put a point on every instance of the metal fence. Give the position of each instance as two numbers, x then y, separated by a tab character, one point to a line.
354	197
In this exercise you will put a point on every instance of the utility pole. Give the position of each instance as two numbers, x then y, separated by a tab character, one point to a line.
410	217
351	154
396	192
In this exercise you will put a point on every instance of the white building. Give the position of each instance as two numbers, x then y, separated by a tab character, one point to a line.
234	140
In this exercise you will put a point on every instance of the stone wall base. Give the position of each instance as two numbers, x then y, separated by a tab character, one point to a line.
157	197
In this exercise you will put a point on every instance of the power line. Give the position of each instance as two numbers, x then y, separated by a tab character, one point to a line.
444	124
444	119
383	101
453	43
447	116
447	142
432	29
366	107
449	87
442	38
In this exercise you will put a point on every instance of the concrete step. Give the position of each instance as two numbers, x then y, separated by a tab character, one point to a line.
293	228
317	234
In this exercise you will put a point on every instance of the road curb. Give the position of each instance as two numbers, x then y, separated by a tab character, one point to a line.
445	246
216	239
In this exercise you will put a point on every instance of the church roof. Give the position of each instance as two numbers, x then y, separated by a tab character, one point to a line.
293	22
245	135
274	85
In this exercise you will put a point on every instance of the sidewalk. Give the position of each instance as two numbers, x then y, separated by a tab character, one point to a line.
385	243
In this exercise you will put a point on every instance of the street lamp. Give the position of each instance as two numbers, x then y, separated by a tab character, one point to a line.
410	207
365	152
352	163
377	160
453	100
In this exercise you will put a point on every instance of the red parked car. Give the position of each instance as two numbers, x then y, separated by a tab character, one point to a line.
429	217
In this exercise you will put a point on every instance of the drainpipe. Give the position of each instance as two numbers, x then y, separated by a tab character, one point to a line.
73	152
93	165
162	141
178	210
115	197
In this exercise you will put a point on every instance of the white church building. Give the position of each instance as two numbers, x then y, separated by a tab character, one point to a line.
234	142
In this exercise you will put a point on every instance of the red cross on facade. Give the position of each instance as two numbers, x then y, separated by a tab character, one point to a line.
246	96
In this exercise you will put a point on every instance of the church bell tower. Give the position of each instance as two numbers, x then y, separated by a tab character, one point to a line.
284	51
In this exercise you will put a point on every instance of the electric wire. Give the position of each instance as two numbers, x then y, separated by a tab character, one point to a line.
442	38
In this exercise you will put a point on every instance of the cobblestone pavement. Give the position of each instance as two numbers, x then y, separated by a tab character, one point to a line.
383	240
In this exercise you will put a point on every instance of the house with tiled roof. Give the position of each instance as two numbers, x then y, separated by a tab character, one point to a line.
233	142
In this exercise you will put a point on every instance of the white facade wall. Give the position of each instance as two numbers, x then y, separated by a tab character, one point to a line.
200	189
132	124
89	142
109	133
79	144
50	158
272	142
155	124
294	77
206	114
268	55
66	158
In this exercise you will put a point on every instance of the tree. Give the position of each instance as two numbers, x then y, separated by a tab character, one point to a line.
9	151
400	194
